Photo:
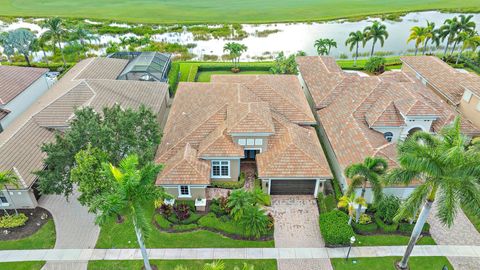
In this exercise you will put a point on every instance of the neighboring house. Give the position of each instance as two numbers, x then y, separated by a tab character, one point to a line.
459	88
214	128
20	87
92	82
366	116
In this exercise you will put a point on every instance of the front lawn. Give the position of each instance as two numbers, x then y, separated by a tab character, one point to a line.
171	264
387	263
22	265
473	218
390	240
114	235
43	238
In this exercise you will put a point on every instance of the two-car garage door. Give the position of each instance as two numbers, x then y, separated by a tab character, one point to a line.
293	187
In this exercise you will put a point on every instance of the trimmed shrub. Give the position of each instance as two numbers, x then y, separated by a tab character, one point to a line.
337	189
375	65
322	208
162	222
184	227
387	228
230	184
364	219
407	228
265	66
365	228
387	208
13	221
212	222
335	229
330	202
173	77
189	203
192	74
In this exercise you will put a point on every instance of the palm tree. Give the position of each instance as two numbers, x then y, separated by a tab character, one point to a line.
254	221
430	34
419	34
448	31
469	40
238	200
368	172
42	43
445	167
464	25
349	203
321	46
9	178
376	32
133	190
123	42
330	43
354	39
82	34
215	265
55	32
235	50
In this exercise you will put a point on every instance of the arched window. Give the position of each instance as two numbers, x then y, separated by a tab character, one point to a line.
388	136
413	130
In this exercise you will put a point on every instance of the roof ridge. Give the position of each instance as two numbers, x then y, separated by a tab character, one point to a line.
83	68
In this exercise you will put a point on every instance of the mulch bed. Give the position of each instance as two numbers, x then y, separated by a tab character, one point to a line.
34	223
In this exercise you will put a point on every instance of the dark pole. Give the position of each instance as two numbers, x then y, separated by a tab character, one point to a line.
348	253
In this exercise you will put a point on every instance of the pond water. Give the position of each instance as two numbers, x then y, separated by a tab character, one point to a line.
290	38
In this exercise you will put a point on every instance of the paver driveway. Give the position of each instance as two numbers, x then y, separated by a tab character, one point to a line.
296	225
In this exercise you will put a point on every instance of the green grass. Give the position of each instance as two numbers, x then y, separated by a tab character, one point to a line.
113	235
387	263
204	76
474	219
21	265
392	62
170	264
43	238
390	240
229	11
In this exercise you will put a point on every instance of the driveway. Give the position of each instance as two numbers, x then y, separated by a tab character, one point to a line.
296	225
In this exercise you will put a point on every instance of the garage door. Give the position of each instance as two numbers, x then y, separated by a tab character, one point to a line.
292	187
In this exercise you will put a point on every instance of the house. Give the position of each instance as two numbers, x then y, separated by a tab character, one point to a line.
362	116
20	87
215	129
460	89
92	82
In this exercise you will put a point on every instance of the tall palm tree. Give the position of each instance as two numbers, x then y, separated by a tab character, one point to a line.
331	43
368	172
235	50
419	34
133	190
446	169
56	32
321	46
430	33
9	178
82	34
376	32
464	25
469	40
354	39
349	201
448	31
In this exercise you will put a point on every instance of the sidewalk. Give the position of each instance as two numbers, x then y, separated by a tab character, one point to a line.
232	253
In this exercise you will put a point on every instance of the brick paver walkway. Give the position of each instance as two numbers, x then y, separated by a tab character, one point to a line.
461	233
296	226
74	227
249	169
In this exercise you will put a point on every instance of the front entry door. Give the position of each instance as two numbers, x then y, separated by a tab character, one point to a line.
250	154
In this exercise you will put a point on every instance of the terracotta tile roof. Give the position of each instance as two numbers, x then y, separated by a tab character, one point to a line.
20	143
204	114
472	84
3	113
103	68
283	92
445	79
252	117
14	80
293	151
364	102
218	144
185	168
321	77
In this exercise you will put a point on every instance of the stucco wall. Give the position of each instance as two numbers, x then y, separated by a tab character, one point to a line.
234	170
20	103
21	199
469	109
196	192
400	192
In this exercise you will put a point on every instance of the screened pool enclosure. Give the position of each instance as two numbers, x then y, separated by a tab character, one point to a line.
144	66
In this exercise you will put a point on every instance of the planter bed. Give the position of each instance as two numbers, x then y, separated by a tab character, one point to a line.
34	223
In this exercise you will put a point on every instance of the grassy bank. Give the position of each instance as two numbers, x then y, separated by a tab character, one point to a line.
22	265
387	263
171	264
230	11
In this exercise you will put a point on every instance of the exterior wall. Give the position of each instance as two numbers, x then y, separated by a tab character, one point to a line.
400	192
471	109
396	131
423	123
21	198
234	170
20	103
263	147
195	192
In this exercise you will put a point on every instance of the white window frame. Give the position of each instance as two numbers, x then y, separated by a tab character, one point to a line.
180	195
250	142
242	142
4	203
220	164
259	142
467	96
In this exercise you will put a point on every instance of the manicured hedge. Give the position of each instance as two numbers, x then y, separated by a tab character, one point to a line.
192	74
51	65
330	202
173	77
335	229
322	207
337	189
365	228
230	184
408	228
212	222
260	66
162	222
387	228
